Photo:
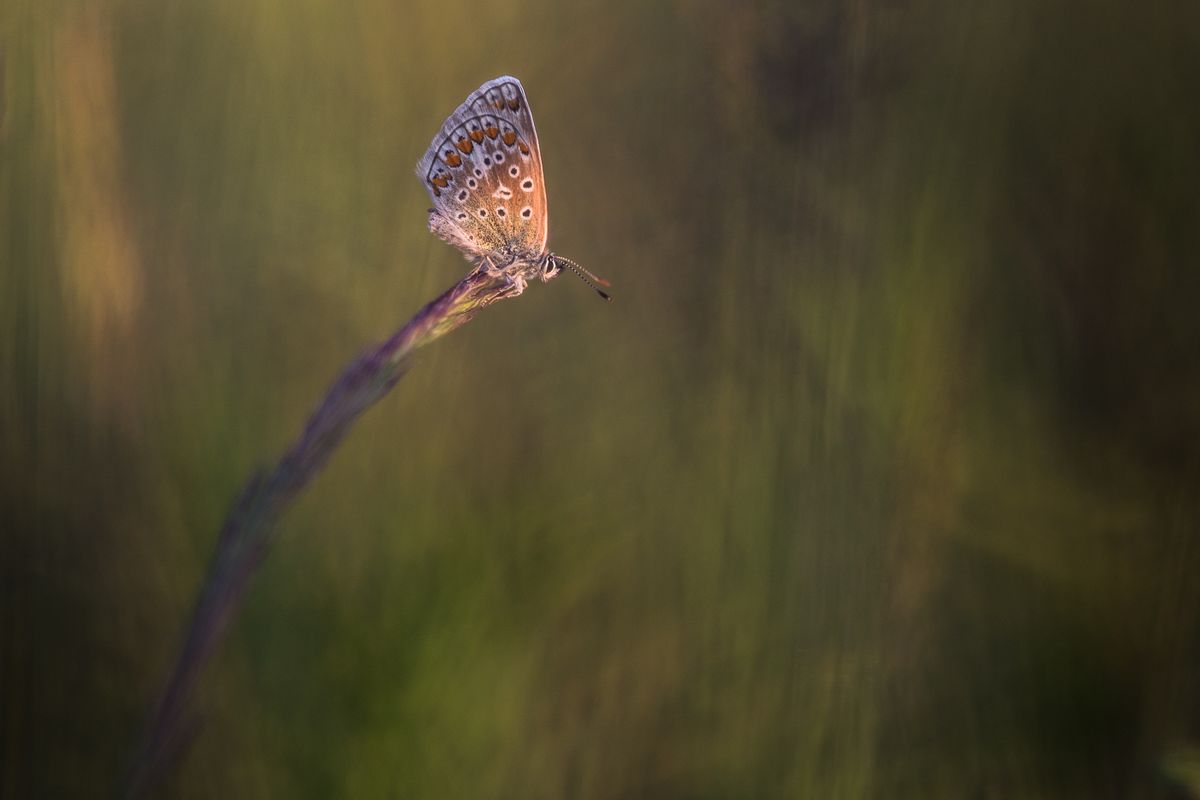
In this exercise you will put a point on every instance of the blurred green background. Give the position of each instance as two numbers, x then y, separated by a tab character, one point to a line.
878	479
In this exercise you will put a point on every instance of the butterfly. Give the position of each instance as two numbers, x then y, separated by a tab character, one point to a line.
483	171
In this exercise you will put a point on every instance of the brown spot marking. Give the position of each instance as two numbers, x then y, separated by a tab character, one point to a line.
452	159
514	104
440	180
477	135
492	131
524	148
510	138
499	104
436	191
465	145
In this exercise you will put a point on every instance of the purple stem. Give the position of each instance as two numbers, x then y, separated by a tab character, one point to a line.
249	529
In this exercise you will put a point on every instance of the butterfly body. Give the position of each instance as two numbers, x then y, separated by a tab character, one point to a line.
483	171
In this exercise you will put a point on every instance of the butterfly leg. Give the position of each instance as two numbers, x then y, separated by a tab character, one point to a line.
516	284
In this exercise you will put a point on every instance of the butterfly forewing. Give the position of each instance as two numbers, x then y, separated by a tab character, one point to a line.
484	173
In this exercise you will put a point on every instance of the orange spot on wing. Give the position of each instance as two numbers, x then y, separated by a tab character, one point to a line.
509	138
524	148
465	145
499	104
492	131
440	180
453	159
514	104
477	135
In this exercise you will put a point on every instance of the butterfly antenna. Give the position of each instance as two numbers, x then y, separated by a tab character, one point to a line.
587	277
580	269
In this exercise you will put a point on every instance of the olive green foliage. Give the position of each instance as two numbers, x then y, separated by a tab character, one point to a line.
878	479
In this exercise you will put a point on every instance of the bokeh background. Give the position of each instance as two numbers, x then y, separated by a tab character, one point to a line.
878	479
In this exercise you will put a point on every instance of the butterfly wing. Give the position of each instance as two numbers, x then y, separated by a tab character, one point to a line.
483	171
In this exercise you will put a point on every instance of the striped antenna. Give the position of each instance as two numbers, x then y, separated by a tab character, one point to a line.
585	276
